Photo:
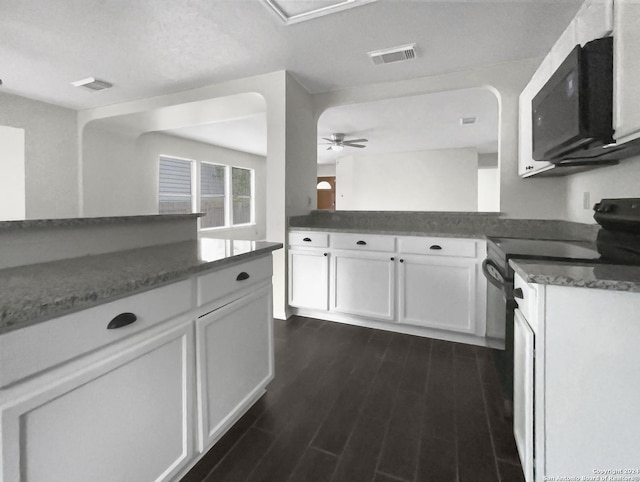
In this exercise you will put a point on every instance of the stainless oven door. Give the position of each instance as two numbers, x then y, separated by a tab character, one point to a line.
496	303
500	308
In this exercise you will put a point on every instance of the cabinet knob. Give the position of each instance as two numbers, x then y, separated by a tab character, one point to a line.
402	260
362	243
393	259
326	254
435	246
307	240
517	293
242	276
123	319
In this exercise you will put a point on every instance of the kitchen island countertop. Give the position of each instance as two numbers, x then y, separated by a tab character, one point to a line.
37	292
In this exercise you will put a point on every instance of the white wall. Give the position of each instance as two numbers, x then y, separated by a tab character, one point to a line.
115	180
488	183
326	170
12	182
622	180
488	189
287	148
537	198
51	155
437	180
301	149
152	145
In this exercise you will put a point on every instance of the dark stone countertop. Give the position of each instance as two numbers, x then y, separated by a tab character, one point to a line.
35	293
579	275
92	221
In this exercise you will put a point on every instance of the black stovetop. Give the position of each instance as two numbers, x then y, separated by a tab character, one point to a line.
547	249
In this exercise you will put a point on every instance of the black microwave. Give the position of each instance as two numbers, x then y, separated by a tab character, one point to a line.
572	114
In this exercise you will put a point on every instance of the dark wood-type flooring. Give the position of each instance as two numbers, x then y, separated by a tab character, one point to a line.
352	404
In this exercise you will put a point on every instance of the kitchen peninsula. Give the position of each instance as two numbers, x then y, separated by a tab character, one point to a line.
126	332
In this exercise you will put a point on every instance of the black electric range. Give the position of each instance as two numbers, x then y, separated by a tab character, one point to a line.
617	242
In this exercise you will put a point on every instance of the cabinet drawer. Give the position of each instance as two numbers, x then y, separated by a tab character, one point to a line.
526	296
466	248
363	242
314	240
216	285
33	349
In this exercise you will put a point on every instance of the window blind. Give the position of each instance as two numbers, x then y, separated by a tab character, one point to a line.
174	193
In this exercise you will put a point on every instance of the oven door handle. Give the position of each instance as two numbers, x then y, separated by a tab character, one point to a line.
490	278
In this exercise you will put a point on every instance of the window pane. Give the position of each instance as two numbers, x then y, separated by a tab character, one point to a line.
213	207
174	186
241	182
242	195
212	195
241	210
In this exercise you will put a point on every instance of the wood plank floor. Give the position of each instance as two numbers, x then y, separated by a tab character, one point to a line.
353	404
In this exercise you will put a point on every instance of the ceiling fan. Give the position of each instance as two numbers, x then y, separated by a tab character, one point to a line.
337	142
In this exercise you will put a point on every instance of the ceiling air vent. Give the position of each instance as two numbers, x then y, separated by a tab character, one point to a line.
394	54
92	83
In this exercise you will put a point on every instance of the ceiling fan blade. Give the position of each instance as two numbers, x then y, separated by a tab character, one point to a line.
347	141
354	145
330	140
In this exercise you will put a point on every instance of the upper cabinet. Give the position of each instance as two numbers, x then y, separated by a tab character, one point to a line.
593	20
626	70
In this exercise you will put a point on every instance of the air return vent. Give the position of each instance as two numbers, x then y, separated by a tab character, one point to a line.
394	54
92	83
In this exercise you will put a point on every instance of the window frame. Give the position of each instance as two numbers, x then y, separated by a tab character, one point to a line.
193	166
252	195
196	194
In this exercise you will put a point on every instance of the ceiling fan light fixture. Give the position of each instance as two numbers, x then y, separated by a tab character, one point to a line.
336	147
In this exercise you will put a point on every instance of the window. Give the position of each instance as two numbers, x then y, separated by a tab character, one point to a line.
174	193
242	187
212	195
223	193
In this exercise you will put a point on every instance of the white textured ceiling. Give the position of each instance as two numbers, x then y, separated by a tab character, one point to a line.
154	47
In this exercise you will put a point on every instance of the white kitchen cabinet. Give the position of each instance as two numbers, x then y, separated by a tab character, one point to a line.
309	278
125	416
579	413
422	285
438	292
595	20
626	70
234	360
363	284
523	389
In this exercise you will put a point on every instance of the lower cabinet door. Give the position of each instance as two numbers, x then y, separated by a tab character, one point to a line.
438	292
309	279
523	384
234	361
363	284
124	418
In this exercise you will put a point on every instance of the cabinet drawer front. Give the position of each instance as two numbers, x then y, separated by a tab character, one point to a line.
466	248
216	285
526	296
33	349
310	239
364	242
